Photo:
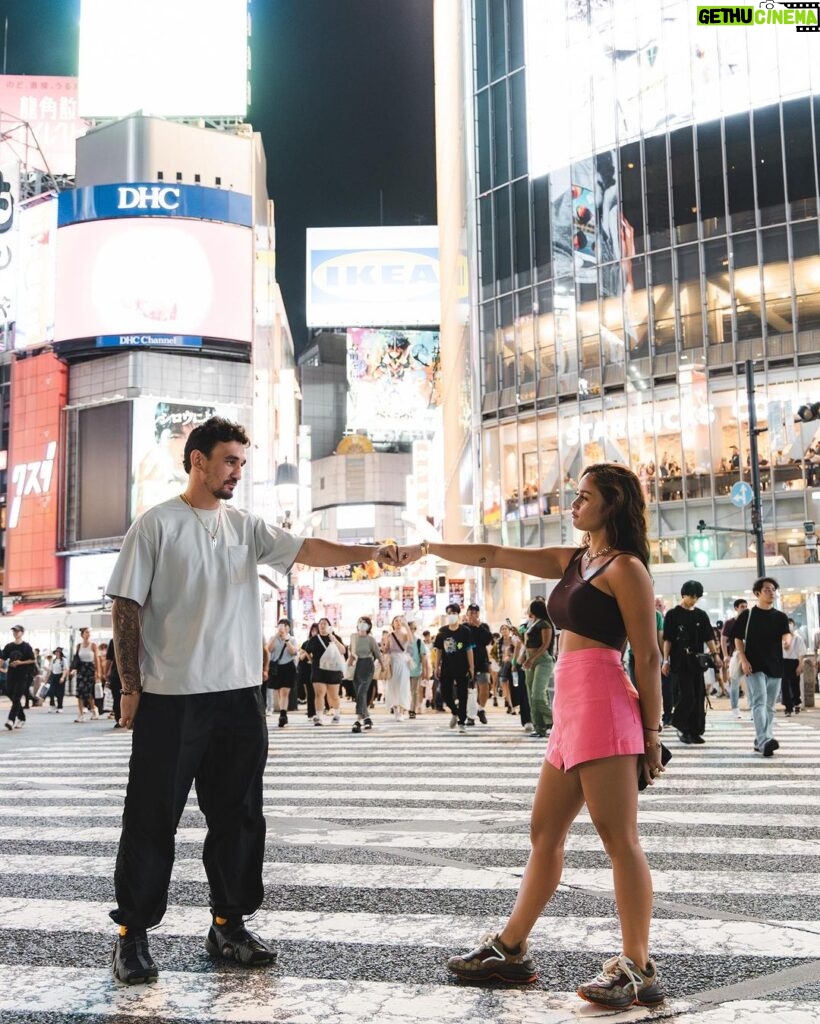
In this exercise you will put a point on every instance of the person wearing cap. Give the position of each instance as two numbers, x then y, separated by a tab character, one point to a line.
20	662
686	629
58	673
482	638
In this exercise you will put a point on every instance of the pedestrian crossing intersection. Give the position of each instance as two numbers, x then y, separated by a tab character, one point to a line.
390	851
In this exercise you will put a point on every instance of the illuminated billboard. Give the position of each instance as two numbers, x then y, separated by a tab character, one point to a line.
603	73
159	432
36	281
9	242
48	105
373	277
169	58
39	390
394	386
147	276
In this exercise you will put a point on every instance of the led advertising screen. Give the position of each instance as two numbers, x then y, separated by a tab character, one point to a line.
169	58
152	276
159	432
373	277
39	390
36	281
603	72
394	386
48	105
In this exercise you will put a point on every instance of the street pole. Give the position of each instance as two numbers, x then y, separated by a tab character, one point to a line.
757	517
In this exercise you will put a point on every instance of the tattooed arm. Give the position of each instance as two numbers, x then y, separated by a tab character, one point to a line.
126	619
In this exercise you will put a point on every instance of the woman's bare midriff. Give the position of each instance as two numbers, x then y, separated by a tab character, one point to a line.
575	642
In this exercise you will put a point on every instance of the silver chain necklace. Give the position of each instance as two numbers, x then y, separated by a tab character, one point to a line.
201	522
589	557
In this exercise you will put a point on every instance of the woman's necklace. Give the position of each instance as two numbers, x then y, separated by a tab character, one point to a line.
201	522
589	557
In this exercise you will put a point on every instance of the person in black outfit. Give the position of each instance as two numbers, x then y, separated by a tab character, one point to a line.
114	684
455	666
685	631
21	662
482	638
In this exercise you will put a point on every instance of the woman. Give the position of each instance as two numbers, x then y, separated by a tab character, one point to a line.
538	666
326	681
85	667
58	670
282	654
364	653
397	689
604	730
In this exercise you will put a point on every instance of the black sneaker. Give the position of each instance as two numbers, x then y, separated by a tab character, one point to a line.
470	721
233	941
131	961
622	983
368	723
491	961
696	739
357	727
283	719
482	716
769	747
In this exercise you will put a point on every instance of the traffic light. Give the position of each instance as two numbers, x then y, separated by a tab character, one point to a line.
700	551
809	412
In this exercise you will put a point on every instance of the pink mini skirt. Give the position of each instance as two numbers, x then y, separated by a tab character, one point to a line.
595	711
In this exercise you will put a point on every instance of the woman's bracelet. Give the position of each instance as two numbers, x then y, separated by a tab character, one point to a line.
424	546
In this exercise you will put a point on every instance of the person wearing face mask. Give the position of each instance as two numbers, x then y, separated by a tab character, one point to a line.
364	653
454	665
283	652
397	689
538	665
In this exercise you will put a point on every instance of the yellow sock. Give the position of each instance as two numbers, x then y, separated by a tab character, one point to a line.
220	921
123	931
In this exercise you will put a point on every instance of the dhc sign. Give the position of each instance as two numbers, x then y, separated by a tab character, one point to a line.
152	199
374	285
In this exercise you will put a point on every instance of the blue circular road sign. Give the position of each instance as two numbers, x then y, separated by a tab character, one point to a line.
741	494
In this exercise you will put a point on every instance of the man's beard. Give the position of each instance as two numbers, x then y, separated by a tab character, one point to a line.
224	493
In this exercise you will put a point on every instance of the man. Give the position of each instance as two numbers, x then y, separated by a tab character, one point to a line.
793	656
727	646
454	665
20	670
187	628
760	635
482	638
686	629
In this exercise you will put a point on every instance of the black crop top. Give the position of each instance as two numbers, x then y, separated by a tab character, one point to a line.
575	604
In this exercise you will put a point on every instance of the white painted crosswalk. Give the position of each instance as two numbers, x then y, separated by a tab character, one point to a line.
388	852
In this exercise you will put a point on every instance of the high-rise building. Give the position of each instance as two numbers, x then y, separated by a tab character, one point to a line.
640	210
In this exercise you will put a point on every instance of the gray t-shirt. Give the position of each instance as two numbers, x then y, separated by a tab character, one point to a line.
200	609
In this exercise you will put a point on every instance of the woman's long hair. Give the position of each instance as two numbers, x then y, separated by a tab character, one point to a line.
626	526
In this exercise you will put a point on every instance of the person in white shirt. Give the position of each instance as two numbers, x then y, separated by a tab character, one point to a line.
187	622
793	656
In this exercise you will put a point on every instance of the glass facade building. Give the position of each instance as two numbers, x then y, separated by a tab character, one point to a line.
644	210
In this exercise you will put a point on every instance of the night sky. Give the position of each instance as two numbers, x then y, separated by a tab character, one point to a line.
342	92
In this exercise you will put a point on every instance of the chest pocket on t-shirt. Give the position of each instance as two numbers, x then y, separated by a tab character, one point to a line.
238	563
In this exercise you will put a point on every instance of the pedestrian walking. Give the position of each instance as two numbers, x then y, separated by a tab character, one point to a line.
686	631
605	732
397	688
363	656
539	665
760	635
482	639
793	656
282	655
18	657
304	672
84	666
419	667
727	647
58	672
187	629
455	667
328	655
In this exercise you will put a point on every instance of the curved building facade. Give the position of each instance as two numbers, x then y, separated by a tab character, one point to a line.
644	196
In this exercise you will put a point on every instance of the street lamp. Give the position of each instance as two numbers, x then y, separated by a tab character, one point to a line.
286	486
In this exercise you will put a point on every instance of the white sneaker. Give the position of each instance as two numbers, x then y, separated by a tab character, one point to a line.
337	718
462	728
529	727
95	714
19	724
81	719
58	711
454	721
735	712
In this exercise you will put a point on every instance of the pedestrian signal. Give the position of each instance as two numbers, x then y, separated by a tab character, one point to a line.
700	551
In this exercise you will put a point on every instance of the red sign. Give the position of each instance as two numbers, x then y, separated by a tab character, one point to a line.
39	390
408	598
427	595
456	589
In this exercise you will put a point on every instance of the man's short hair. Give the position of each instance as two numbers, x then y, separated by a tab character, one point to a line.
738	602
473	608
692	588
758	585
453	608
209	434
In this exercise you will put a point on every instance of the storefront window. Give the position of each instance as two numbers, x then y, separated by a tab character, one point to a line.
510	482
806	269
491	476
746	276
777	281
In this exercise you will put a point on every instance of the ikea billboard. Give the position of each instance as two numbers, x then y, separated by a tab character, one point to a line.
373	277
